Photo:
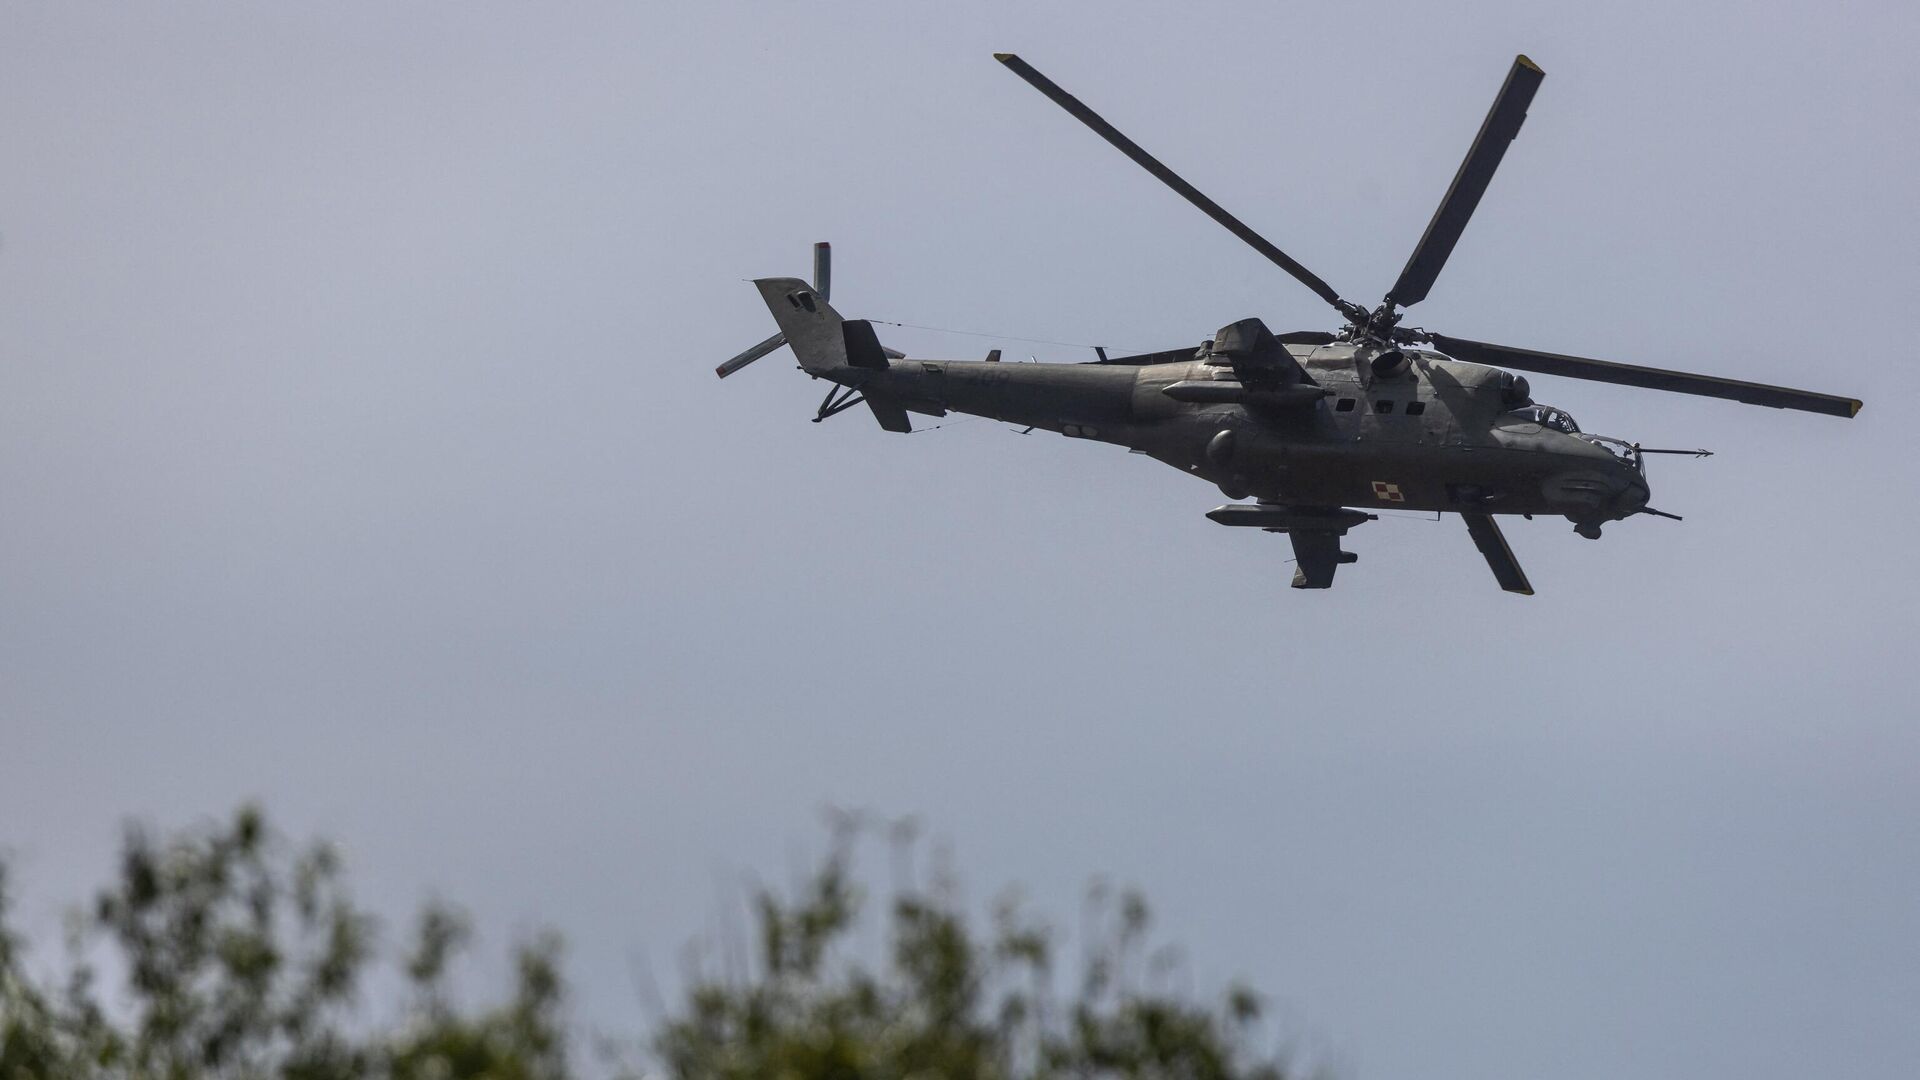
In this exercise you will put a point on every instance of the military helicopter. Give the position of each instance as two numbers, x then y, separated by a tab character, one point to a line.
1317	428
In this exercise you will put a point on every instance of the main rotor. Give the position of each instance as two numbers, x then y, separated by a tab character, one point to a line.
1379	327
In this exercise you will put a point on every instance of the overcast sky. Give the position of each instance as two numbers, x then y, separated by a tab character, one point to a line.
360	452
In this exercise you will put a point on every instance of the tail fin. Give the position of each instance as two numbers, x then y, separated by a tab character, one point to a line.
807	321
827	345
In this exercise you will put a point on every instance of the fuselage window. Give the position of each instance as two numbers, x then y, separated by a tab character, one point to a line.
1383	406
1345	404
1415	408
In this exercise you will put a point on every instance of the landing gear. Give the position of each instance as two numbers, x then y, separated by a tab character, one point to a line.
1588	529
838	400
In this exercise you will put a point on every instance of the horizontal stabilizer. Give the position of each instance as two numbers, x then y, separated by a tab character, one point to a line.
863	345
891	416
1165	356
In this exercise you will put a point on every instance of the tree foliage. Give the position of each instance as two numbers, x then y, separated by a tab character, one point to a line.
239	958
950	1001
234	954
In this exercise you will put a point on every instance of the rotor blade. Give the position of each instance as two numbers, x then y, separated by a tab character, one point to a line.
1493	544
1476	169
1168	177
822	269
1679	382
750	355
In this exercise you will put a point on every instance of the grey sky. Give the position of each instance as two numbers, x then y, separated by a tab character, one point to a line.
360	451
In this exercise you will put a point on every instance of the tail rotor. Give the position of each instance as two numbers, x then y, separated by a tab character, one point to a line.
822	281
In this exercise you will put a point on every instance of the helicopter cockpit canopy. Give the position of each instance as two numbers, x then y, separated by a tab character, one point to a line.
1547	416
1559	420
1623	451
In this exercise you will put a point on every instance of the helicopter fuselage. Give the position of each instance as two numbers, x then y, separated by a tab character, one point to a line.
1439	435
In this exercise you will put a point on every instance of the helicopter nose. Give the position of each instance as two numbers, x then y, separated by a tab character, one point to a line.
1632	497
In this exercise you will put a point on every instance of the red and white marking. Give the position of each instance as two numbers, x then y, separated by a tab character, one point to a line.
1386	492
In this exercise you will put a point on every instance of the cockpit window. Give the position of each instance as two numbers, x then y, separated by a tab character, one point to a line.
1622	450
1548	416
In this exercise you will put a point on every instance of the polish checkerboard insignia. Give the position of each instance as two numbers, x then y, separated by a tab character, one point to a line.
1386	492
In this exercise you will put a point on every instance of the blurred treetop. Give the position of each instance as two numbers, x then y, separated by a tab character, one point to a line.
237	955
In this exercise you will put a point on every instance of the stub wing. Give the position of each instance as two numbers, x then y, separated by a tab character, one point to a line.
1493	546
1315	532
1316	555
